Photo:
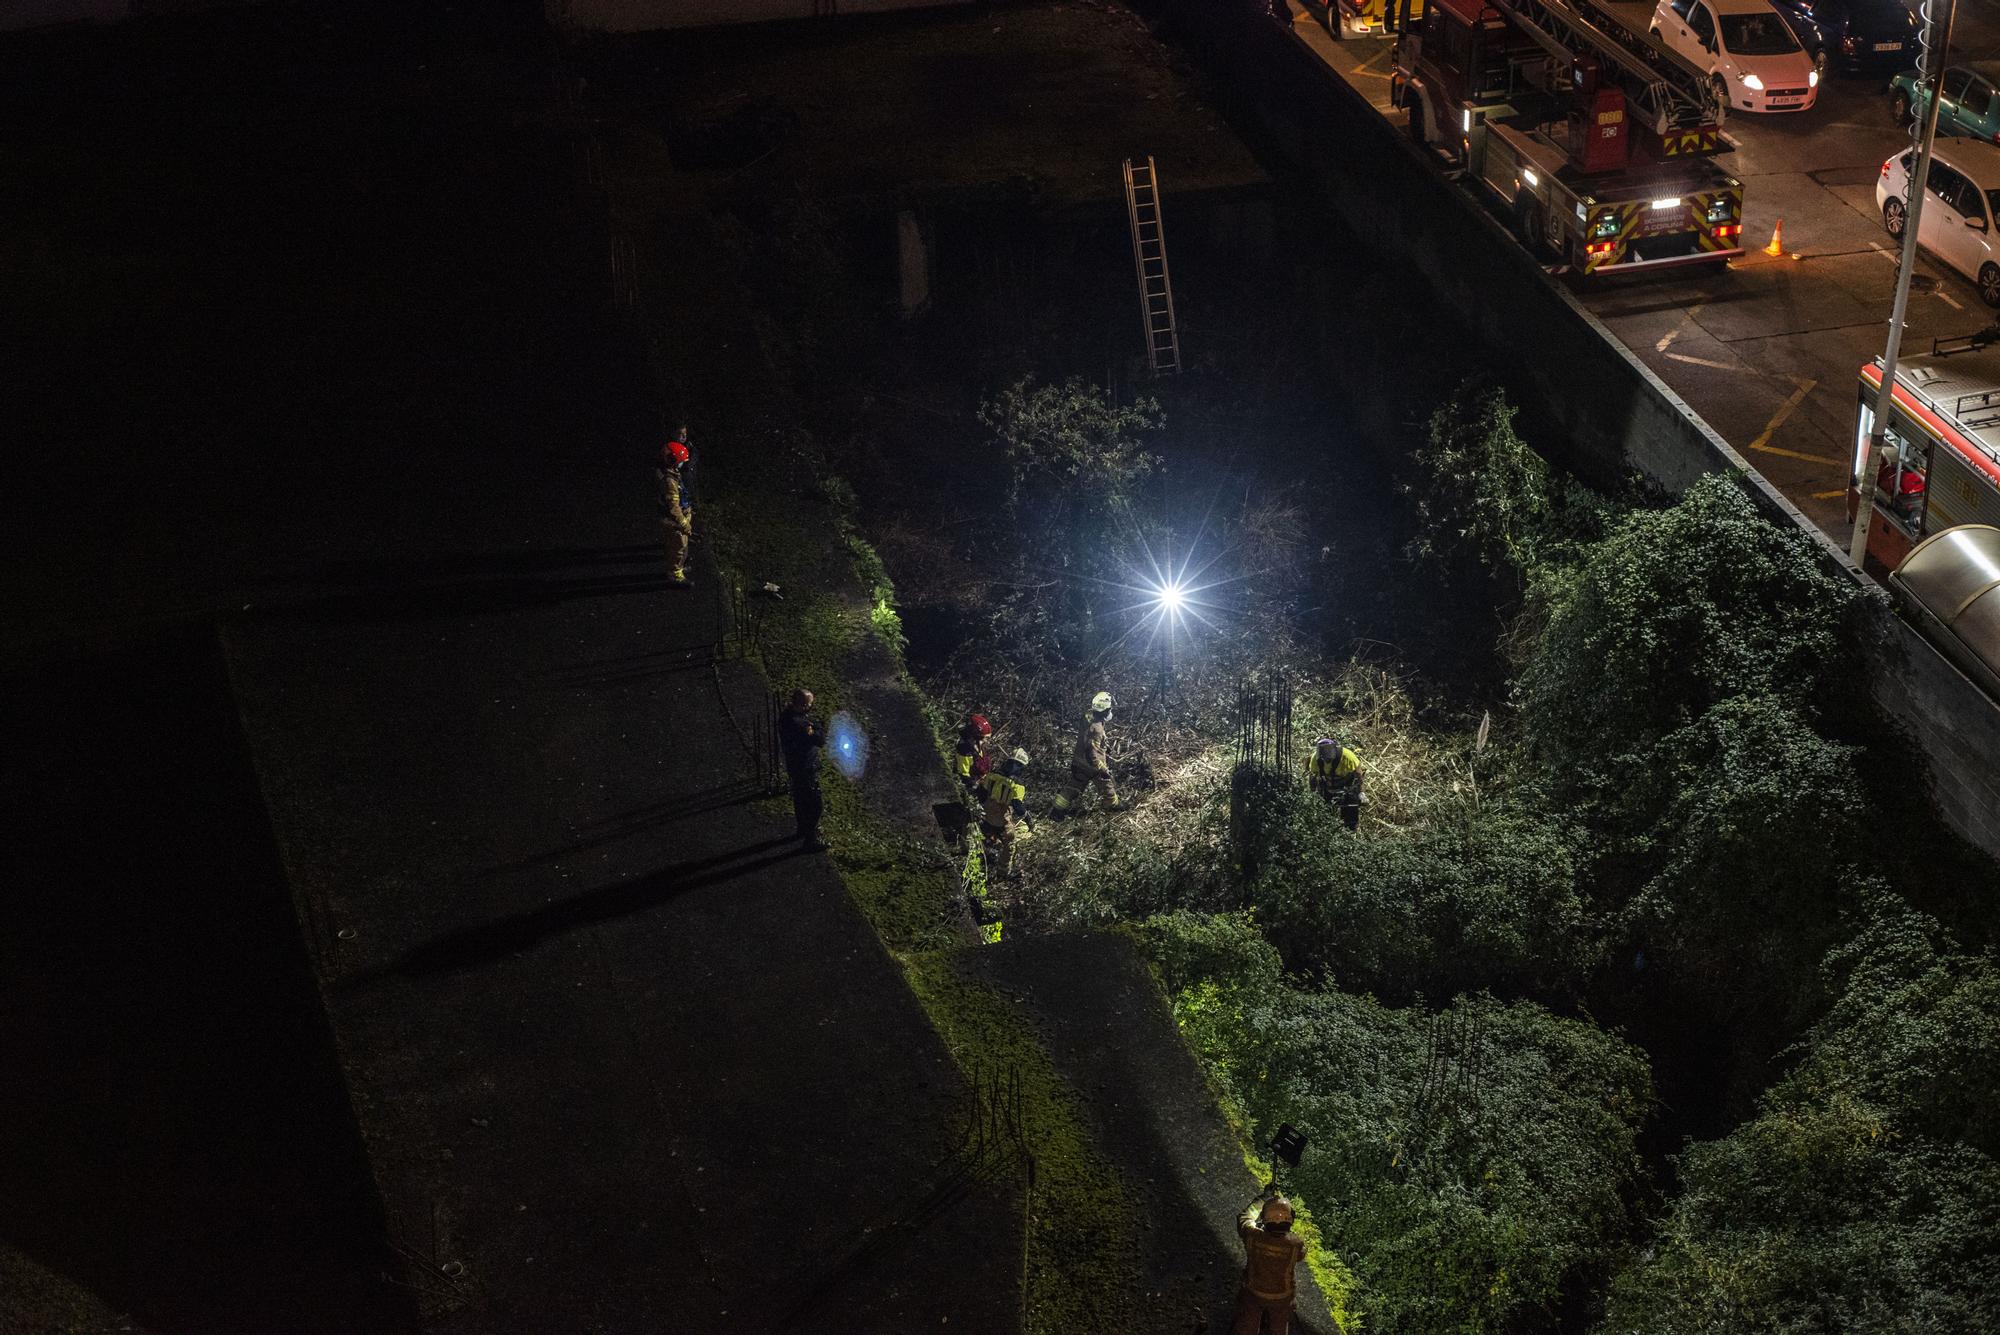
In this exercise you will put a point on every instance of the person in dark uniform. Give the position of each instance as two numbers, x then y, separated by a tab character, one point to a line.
802	737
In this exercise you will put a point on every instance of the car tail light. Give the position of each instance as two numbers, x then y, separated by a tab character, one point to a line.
1885	169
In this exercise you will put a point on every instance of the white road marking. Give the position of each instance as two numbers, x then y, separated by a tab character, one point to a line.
1703	361
1937	291
1687	318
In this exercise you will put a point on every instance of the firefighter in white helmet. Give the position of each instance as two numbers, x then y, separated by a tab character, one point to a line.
1003	805
1265	1298
1090	762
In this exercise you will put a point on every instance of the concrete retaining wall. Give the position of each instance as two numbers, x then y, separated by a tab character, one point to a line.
1610	415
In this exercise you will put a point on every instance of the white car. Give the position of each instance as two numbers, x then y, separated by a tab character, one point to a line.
1751	54
1956	221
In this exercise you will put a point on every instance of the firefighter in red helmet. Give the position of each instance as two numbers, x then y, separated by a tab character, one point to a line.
969	759
676	508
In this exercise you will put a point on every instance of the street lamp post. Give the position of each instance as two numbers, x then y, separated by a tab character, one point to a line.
1867	453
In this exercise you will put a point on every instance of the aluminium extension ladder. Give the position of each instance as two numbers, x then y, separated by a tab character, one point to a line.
1149	256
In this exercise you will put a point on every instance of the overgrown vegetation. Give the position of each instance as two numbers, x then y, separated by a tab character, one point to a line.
1663	842
1668	826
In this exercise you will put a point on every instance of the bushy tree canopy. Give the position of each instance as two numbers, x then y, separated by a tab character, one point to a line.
1674	612
1865	1196
1069	448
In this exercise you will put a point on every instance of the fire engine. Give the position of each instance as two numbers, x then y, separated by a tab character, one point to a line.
1598	141
1368	18
1942	441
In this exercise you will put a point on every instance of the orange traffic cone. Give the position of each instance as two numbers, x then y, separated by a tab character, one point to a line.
1777	246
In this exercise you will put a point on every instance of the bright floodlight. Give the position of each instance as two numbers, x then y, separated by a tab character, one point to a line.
1171	596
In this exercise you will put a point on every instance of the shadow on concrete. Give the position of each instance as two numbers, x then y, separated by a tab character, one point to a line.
470	947
466	597
178	1137
637	820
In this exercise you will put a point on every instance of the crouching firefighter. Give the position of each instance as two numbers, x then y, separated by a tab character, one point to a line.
1265	1298
1334	772
1003	806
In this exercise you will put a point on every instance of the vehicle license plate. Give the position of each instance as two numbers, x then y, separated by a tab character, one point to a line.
1888	46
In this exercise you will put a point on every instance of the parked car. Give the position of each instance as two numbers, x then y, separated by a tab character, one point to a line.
1871	36
1753	58
1956	221
1968	105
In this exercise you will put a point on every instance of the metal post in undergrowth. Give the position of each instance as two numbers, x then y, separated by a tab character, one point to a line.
1264	765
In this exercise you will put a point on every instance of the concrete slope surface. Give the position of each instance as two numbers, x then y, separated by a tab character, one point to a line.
1110	1034
625	1058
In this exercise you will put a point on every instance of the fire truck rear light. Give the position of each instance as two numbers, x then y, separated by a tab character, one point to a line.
1673	203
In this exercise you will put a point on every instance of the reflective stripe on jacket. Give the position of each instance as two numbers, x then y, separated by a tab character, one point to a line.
1344	767
1090	755
1001	799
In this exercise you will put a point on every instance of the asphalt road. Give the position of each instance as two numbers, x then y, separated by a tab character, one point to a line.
1768	351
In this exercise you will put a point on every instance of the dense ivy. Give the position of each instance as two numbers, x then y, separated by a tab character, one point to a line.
1674	612
1486	898
1469	1165
1865	1196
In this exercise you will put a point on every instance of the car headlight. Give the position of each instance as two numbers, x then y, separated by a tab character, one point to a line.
1753	83
1812	78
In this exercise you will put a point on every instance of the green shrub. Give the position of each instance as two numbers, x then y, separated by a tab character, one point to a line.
1677	610
1865	1197
1470	1166
1750	825
1484	497
1485	899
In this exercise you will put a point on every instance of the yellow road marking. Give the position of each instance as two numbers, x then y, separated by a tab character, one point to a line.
1829	495
1785	410
1795	454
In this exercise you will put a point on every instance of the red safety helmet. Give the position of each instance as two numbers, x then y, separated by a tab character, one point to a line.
981	726
676	453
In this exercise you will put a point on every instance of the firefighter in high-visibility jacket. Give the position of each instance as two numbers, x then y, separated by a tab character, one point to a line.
676	508
1334	772
1265	1297
969	759
1003	807
1090	762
